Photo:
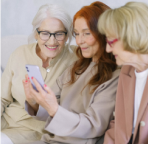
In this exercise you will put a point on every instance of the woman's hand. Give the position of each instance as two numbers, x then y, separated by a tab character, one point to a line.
46	99
27	88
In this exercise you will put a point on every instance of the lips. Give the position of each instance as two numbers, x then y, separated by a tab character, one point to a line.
115	56
51	47
83	48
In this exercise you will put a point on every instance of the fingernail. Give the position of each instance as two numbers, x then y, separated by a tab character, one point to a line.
31	77
26	81
45	85
28	78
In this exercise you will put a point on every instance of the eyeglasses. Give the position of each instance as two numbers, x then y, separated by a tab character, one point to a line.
111	42
44	35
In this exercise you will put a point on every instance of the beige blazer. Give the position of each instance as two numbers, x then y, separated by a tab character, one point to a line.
82	117
121	128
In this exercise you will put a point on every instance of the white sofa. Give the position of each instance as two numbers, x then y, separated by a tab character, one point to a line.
8	45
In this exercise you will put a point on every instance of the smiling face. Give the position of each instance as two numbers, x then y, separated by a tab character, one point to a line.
85	40
52	47
122	57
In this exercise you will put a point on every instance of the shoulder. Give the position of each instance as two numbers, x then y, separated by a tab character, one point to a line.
111	83
23	49
66	75
67	71
114	77
21	54
108	89
116	73
126	69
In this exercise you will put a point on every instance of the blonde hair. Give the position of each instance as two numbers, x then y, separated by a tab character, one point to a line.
129	23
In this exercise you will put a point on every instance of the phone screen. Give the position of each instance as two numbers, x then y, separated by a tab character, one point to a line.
34	71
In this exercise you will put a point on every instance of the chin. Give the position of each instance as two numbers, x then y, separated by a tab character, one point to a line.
119	63
86	56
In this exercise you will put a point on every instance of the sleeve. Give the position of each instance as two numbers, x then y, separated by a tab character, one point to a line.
6	84
109	135
91	124
41	115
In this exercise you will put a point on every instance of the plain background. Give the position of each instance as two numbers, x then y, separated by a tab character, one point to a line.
17	15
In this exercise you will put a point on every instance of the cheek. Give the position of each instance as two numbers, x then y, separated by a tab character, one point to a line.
40	42
77	40
61	44
91	41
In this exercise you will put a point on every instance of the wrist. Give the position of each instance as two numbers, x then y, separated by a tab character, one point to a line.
52	113
35	108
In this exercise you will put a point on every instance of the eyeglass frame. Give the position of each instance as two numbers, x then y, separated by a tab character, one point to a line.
111	42
50	34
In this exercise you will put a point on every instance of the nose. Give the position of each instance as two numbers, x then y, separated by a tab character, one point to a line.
79	40
108	48
51	40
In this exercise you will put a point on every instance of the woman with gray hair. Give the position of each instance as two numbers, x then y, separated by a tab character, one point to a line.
126	30
51	29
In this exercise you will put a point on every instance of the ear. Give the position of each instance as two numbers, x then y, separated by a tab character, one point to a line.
36	36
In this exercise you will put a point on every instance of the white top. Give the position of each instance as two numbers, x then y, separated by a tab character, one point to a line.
139	88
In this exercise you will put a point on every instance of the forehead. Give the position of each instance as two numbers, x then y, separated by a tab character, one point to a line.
80	24
52	24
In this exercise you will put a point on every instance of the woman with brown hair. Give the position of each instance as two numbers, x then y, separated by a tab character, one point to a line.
79	107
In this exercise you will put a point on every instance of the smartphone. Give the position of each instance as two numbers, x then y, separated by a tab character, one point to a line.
34	71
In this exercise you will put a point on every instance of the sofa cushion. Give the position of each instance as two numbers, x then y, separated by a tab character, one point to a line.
8	45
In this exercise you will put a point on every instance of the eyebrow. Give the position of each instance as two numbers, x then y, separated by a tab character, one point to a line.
54	31
83	29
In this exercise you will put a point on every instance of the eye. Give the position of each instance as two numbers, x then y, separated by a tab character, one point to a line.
76	34
44	33
59	34
86	33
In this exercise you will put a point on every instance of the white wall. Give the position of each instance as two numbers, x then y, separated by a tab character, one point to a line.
17	15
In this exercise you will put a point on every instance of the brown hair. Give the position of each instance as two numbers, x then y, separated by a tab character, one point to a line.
106	61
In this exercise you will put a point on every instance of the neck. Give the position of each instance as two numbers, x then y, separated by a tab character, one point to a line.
45	59
141	62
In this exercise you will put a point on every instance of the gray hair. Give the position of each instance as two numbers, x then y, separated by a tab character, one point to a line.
129	23
53	11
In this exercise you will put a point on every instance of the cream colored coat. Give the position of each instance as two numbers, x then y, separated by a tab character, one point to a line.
121	129
16	123
82	117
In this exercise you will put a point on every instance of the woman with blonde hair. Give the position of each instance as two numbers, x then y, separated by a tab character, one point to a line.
126	30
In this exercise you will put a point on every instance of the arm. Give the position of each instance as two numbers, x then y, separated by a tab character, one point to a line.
6	83
109	135
91	124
